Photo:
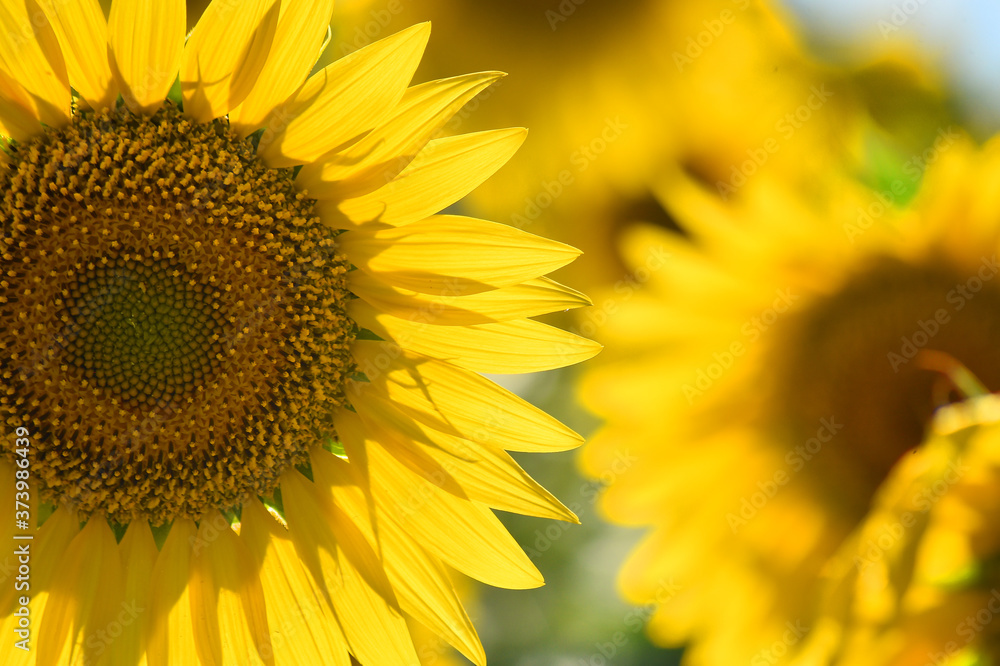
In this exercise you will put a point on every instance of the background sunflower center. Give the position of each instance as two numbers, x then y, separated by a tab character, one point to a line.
853	357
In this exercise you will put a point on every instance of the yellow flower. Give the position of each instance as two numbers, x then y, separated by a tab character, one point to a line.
916	582
767	380
240	349
620	94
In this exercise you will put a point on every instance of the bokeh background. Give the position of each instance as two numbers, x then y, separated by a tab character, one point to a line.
618	96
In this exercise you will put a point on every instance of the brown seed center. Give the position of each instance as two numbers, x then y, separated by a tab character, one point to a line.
178	331
853	357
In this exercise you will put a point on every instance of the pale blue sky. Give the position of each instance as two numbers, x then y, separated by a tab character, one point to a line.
962	35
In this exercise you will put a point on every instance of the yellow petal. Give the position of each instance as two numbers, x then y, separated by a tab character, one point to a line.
463	533
85	597
18	120
301	30
529	299
453	254
138	554
226	598
444	172
172	637
82	31
343	101
406	452
379	157
427	594
486	474
47	551
303	627
361	593
421	583
145	40
521	345
30	54
457	401
224	55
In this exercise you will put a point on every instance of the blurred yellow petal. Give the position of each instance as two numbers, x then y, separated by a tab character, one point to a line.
146	40
224	55
344	100
301	29
441	174
451	254
385	151
82	31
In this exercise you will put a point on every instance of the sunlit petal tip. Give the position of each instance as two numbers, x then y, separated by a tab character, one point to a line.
343	101
446	170
301	29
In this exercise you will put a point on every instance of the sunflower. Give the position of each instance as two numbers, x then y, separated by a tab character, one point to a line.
590	166
769	377
240	348
725	89
917	581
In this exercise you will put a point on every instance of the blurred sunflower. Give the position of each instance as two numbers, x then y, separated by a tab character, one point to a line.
917	581
589	167
241	352
724	88
765	382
